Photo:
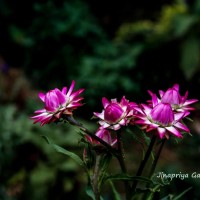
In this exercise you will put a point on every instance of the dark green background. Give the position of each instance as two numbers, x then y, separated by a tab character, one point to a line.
109	48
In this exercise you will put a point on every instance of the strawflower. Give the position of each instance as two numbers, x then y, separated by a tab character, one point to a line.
172	96
115	114
56	103
161	119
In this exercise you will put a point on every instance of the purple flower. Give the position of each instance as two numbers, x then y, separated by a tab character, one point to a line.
161	119
115	114
172	96
56	103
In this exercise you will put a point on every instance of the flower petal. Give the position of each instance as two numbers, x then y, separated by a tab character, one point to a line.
105	102
42	96
71	88
161	132
174	131
182	126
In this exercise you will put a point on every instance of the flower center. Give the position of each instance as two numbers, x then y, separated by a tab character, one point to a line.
113	113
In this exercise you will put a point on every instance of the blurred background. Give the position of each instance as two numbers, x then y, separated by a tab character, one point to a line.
111	49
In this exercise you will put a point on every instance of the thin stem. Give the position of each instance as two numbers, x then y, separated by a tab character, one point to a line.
144	161
121	159
72	121
95	178
121	155
153	167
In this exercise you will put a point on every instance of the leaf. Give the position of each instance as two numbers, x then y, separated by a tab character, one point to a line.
181	194
59	149
105	161
183	23
128	178
90	193
115	193
190	51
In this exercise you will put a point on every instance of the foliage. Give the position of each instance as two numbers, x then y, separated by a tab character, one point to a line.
27	162
139	51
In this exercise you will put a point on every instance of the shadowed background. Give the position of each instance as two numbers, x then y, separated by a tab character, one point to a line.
110	49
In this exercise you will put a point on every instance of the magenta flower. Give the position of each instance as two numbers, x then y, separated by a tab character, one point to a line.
172	96
162	119
103	134
115	114
56	103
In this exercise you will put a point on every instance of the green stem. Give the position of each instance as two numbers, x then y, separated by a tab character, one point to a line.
121	159
144	161
72	121
153	167
95	178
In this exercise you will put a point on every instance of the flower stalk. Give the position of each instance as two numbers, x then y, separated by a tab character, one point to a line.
144	161
121	159
95	178
153	167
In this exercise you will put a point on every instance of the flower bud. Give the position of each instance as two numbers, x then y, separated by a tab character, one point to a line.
162	114
113	113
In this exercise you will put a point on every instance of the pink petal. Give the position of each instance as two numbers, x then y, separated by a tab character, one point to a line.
99	115
41	96
116	127
105	102
146	109
176	86
71	88
183	99
124	102
182	126
64	90
104	124
174	131
161	132
151	93
75	94
114	100
61	96
154	100
161	93
179	116
188	102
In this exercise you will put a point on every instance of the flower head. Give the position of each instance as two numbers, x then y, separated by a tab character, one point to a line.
172	96
115	114
162	119
56	103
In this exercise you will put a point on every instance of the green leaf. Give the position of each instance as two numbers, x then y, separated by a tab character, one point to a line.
90	193
190	51
183	23
181	194
115	193
128	178
105	161
59	149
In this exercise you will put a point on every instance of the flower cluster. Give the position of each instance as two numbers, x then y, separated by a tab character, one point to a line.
57	103
164	115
